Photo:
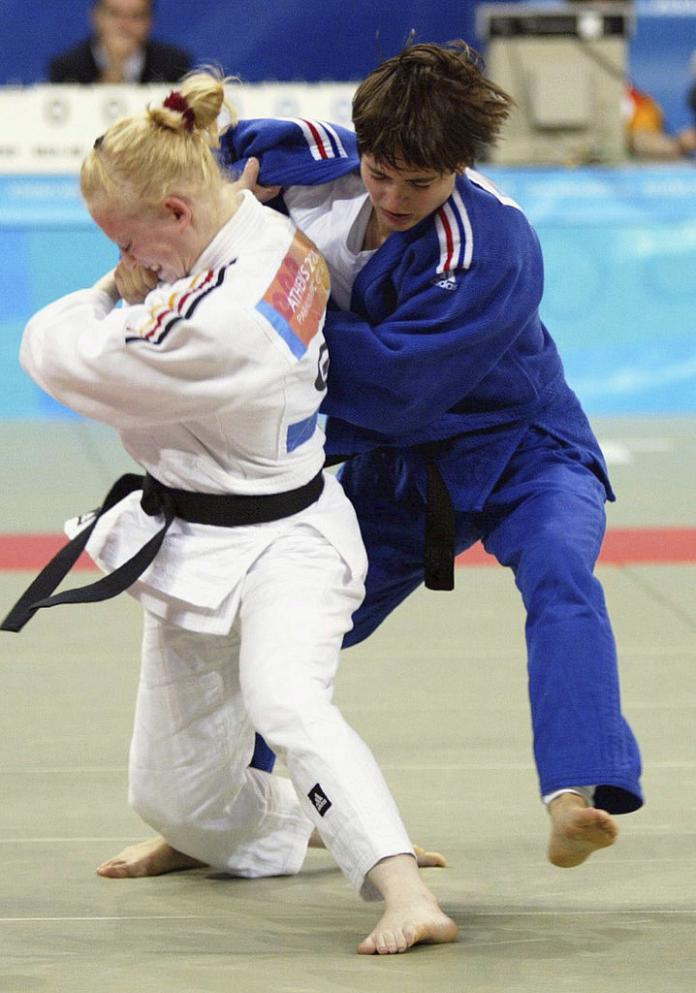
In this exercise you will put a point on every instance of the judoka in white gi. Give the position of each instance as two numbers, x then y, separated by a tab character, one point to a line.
213	382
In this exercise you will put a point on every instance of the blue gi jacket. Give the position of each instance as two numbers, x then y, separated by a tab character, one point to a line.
444	343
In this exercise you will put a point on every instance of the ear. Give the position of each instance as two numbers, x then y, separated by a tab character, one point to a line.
179	210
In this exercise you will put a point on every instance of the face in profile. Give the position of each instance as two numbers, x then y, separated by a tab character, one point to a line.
156	239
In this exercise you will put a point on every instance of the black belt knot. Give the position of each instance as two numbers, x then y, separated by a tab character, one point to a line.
155	499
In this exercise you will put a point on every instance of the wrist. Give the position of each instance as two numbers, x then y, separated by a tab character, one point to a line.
107	284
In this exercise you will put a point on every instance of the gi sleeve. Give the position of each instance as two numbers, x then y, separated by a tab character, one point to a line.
134	365
292	152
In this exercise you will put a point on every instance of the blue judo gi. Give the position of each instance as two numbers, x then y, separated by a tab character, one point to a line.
443	360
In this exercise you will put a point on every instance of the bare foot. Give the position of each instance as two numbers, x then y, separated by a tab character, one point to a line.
395	933
578	830
412	915
153	857
425	860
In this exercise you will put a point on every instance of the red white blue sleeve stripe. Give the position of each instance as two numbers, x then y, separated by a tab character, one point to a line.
455	235
177	307
322	139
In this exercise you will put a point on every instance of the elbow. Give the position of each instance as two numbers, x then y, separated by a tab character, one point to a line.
27	359
398	418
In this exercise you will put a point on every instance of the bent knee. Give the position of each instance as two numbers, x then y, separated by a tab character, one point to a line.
167	802
283	720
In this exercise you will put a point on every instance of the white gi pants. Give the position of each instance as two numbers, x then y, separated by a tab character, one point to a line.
201	698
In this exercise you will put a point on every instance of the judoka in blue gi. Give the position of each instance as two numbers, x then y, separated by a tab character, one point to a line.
447	392
439	356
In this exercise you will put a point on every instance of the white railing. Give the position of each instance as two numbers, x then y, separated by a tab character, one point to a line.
49	129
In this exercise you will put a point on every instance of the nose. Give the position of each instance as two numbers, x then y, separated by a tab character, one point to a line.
128	261
396	197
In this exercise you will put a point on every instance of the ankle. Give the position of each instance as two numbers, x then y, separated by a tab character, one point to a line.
567	801
395	876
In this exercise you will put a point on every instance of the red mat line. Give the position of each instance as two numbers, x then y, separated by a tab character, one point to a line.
622	546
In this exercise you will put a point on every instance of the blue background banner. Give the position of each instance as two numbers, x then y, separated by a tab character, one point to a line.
620	299
319	40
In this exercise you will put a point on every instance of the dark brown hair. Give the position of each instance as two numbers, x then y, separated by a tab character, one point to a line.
431	107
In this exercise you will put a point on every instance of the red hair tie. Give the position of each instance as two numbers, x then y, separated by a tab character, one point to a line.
177	101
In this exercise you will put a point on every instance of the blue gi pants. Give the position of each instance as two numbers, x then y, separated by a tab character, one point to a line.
545	520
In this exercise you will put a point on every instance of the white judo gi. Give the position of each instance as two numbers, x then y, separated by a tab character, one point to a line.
214	383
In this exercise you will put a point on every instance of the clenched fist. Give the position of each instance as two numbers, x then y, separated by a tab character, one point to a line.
134	282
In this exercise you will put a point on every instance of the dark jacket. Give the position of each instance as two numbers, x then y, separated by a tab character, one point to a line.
163	64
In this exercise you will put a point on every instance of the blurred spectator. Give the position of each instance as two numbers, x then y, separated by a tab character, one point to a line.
646	133
687	137
120	49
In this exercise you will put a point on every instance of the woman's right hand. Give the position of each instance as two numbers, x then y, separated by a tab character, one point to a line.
249	181
135	282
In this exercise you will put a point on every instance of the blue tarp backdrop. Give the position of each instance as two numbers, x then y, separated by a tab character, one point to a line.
318	40
620	300
310	40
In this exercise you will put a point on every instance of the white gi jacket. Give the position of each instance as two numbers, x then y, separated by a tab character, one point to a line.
213	383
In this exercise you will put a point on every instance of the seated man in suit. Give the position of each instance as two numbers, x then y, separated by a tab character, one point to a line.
120	49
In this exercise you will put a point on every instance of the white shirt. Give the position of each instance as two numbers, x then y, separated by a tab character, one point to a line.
335	216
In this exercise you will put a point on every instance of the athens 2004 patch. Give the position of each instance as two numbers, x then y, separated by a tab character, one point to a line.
295	300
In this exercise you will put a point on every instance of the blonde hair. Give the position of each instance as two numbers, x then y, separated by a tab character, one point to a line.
168	149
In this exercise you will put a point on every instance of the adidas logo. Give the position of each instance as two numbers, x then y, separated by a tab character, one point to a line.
319	799
448	282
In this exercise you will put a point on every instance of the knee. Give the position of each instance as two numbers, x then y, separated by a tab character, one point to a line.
555	569
281	713
166	803
145	800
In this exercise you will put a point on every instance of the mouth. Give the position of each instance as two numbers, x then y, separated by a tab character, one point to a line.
395	218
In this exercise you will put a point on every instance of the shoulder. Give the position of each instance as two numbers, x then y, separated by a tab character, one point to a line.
477	231
479	222
345	188
165	61
74	65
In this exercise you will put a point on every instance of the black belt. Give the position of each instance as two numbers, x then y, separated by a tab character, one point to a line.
438	564
439	533
221	510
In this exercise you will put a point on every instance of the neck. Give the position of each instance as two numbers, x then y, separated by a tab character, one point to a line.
215	218
374	236
231	201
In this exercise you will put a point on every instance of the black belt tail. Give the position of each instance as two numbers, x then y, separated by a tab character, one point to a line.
38	594
222	510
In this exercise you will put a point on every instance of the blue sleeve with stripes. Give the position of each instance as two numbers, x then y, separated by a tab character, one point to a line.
292	152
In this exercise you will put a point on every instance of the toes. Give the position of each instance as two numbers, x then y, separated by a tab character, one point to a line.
367	947
111	871
427	860
390	943
384	943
